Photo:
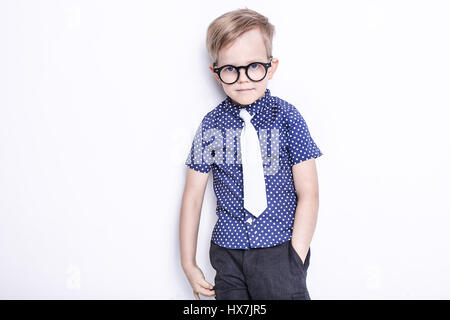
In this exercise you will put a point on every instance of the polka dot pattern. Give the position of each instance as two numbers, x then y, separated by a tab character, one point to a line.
285	140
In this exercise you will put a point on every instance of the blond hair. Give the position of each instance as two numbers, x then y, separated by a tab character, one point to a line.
228	27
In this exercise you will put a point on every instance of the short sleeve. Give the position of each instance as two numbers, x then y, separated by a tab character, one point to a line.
196	159
301	145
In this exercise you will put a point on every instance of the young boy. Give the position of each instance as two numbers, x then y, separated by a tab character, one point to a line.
262	158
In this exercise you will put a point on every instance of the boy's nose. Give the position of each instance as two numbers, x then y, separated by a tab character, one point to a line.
242	74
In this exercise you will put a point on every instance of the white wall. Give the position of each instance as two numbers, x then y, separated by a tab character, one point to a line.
95	126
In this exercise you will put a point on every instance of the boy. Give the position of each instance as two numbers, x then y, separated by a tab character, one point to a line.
258	249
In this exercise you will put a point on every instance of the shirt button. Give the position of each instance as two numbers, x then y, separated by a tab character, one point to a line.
249	220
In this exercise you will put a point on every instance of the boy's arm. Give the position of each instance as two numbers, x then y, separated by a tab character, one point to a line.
307	188
191	207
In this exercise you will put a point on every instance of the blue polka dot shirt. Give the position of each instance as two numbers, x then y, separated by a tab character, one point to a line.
284	139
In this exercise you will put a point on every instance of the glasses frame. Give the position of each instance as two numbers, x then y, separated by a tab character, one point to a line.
266	65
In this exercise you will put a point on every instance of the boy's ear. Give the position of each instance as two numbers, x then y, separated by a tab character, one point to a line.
214	74
273	68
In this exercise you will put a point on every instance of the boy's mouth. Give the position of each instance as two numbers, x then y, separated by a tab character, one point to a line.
243	90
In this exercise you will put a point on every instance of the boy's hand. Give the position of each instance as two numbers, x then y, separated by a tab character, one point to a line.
198	282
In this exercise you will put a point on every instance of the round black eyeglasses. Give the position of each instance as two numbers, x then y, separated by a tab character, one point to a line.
255	71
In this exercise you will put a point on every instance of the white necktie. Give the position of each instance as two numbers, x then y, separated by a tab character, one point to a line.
255	200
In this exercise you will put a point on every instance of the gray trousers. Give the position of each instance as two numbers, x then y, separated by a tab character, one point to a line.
274	273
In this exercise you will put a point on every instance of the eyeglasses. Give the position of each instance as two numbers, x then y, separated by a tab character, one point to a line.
255	71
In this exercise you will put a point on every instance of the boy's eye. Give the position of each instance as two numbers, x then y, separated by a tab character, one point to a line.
254	66
229	69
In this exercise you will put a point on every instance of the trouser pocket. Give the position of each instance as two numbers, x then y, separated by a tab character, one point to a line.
299	272
304	265
213	253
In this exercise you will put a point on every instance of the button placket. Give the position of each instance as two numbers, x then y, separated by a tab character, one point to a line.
249	228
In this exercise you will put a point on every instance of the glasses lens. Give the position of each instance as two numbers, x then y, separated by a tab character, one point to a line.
229	74
256	71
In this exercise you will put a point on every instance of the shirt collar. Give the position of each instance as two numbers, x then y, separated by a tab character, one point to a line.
253	108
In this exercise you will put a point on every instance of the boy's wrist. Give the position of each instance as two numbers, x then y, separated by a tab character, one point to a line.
188	264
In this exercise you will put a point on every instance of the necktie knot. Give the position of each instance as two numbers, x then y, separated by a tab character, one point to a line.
245	115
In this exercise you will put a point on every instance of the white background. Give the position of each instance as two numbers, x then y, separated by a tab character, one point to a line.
99	103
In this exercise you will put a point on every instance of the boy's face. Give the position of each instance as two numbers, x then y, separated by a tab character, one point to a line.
248	48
